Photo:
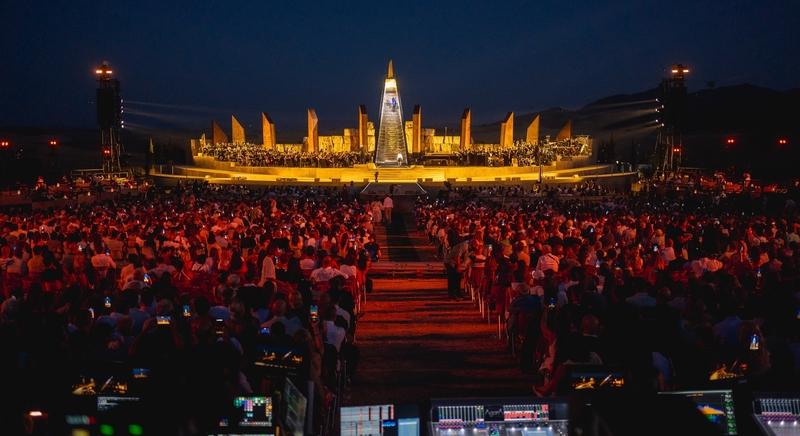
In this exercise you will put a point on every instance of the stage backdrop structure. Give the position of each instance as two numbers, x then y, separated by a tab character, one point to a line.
391	149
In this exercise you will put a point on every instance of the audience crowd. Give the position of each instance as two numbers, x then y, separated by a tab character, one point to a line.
193	283
677	288
198	283
67	188
516	193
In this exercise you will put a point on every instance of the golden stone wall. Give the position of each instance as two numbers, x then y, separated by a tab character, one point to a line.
408	129
371	137
445	144
351	140
427	139
333	143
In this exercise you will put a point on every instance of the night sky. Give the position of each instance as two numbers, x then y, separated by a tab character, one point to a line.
212	58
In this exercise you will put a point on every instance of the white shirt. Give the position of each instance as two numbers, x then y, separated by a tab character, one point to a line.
307	263
103	260
267	271
325	274
348	270
546	262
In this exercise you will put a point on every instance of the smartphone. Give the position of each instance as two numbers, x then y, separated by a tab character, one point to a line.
107	302
187	311
91	313
655	248
264	330
314	311
755	343
597	264
552	303
147	280
163	320
219	327
140	373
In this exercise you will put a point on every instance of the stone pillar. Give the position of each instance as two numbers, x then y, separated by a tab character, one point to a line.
218	135
312	141
532	134
466	130
363	129
416	132
565	132
507	131
267	131
237	131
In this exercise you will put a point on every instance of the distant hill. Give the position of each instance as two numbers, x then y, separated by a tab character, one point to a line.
727	109
755	116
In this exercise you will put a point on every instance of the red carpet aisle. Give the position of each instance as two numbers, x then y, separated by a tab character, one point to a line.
416	344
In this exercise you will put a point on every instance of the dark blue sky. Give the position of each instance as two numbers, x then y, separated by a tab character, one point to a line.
221	57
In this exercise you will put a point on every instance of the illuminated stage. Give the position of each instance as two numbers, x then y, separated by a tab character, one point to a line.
226	173
390	144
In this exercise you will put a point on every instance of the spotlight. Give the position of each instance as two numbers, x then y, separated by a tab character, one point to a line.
783	141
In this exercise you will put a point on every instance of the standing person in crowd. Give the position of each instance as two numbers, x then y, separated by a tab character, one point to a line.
455	263
388	206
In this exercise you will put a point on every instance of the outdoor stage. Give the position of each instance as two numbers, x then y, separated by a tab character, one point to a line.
564	172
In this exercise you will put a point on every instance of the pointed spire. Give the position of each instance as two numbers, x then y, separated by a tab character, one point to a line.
390	74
